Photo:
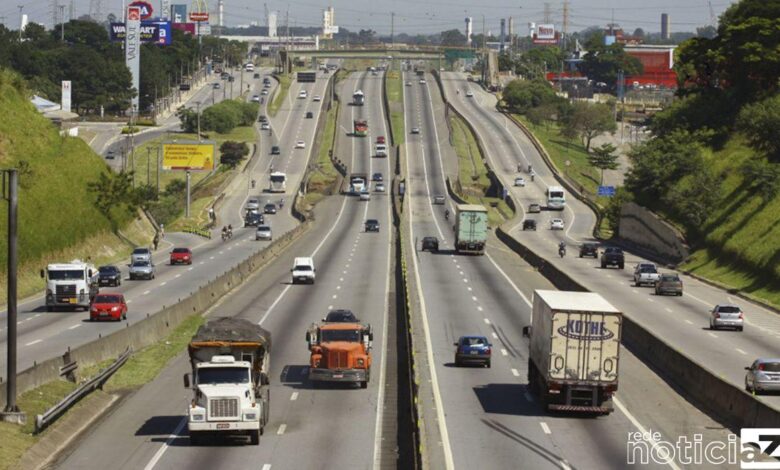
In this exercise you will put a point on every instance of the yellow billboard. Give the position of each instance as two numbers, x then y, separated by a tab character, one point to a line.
188	156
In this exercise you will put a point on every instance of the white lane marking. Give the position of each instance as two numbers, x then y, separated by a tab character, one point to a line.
163	283
188	269
668	309
469	288
33	342
445	440
474	298
545	428
178	275
650	300
146	292
688	322
465	280
495	336
741	351
565	465
487	321
698	299
267	466
634	291
504	352
479	308
211	257
36	315
294	396
338	287
515	373
661	451
509	280
74	326
282	428
712	334
156	458
335	296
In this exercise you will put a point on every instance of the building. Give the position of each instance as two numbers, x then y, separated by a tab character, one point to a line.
272	24
469	30
658	64
329	27
502	36
666	32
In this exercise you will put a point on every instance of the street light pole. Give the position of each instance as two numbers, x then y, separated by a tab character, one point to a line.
197	104
20	7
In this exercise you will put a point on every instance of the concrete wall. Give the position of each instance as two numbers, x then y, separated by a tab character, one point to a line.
642	228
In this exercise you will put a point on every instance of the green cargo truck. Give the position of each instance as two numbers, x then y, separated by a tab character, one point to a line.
471	227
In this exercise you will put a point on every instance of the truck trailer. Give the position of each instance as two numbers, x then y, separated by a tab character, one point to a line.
471	227
229	380
574	351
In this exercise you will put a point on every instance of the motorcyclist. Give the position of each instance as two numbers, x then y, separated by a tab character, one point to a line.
224	232
562	248
281	203
253	183
446	214
530	168
230	231
532	174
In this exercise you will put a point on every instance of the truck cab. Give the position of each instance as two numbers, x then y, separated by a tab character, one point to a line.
340	352
303	270
229	379
71	285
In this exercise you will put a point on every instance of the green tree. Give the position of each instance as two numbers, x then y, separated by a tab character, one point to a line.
522	95
588	121
188	118
604	157
602	63
760	122
113	194
453	37
232	153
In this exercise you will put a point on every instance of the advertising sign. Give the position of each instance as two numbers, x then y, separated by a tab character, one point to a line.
66	95
158	32
133	51
165	12
144	7
199	16
188	156
188	28
545	34
179	13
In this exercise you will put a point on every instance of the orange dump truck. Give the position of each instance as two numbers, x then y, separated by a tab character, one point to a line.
340	352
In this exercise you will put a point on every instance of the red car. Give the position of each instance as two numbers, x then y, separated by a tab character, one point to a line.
108	307
181	256
380	139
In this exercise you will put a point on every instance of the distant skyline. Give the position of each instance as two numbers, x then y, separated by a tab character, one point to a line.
420	16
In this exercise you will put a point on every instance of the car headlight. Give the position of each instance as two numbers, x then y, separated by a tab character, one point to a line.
361	362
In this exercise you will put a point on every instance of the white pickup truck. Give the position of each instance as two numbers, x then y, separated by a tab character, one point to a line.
646	273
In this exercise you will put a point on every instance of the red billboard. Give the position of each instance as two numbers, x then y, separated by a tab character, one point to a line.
144	7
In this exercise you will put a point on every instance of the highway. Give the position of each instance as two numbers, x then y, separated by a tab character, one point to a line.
43	335
486	416
683	321
327	427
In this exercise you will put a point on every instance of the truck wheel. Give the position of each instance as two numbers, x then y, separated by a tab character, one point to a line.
194	439
487	363
254	437
621	266
364	384
603	265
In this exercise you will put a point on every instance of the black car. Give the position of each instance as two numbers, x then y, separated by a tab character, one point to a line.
262	118
340	316
309	115
257	75
253	219
377	177
275	150
109	276
589	249
430	244
224	75
269	208
372	225
612	256
529	224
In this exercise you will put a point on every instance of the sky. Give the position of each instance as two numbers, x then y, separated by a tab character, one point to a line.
420	16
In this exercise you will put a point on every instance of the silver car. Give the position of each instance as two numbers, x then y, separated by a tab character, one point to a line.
263	232
141	270
252	204
141	254
763	376
727	316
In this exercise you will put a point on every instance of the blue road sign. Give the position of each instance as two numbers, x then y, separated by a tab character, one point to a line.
607	191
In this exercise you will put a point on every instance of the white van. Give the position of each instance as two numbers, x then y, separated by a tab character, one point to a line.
303	270
381	150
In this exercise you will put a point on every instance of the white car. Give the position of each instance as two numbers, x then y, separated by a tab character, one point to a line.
422	81
317	98
556	224
256	98
300	144
264	92
365	195
252	204
408	83
415	130
520	181
265	126
469	94
302	94
379	187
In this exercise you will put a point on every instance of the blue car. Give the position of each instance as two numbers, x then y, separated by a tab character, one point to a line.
473	349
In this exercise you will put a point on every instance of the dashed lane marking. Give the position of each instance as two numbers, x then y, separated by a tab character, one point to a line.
545	428
33	342
515	373
282	428
294	396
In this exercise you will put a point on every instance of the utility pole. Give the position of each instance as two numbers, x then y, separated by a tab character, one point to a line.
547	12
11	413
158	171
565	22
148	166
392	29
20	7
62	23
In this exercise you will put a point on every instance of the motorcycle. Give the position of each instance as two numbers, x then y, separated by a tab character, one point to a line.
561	251
446	215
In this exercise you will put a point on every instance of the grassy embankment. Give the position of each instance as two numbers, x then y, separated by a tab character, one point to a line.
741	248
472	173
324	174
395	99
141	368
58	220
280	95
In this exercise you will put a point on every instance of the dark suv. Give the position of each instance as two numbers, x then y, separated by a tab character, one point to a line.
275	150
372	225
109	276
612	256
340	316
589	249
253	219
529	224
430	244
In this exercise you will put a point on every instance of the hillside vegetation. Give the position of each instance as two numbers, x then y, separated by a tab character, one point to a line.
56	209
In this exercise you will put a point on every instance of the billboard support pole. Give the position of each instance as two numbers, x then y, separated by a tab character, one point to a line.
187	211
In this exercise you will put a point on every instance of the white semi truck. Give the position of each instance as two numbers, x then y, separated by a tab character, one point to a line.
229	380
574	352
70	285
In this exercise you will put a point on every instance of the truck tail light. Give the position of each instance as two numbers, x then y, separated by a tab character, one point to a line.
193	403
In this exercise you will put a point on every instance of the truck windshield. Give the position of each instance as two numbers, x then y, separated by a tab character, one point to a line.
352	336
66	274
222	375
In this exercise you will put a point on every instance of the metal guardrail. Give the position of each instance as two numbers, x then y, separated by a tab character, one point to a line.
51	415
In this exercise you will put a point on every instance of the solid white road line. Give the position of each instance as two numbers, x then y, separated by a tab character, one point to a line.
156	458
661	451
545	428
33	342
74	326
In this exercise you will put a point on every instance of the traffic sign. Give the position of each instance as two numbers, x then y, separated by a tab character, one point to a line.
607	191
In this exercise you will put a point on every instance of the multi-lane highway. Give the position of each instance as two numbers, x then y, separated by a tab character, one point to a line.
681	321
327	427
42	335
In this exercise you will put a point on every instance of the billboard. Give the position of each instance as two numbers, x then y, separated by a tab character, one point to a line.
66	88
158	32
188	156
179	13
133	51
144	7
545	34
188	28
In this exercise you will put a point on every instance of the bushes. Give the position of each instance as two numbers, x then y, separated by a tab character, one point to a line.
223	117
760	122
522	95
233	152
